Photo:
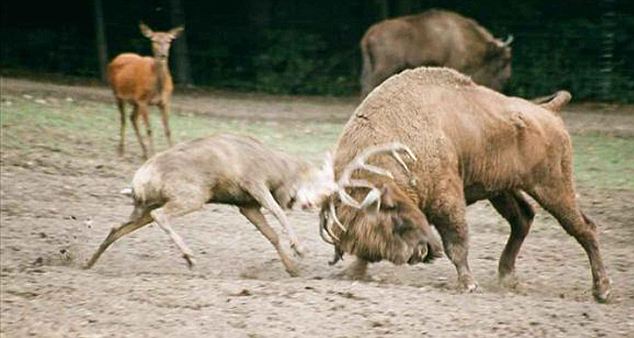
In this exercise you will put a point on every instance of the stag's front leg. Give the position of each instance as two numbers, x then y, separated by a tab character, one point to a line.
254	215
162	217
263	196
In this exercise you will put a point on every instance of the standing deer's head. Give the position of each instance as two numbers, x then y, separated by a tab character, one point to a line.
161	41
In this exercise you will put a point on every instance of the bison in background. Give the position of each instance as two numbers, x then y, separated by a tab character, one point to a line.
470	143
434	38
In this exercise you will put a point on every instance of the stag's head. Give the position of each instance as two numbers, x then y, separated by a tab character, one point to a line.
161	41
386	223
317	185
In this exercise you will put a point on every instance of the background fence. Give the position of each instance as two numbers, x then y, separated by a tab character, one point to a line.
311	47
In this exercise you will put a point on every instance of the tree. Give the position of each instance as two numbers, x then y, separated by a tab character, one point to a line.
100	38
182	72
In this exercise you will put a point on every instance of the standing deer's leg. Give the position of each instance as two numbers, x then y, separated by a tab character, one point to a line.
448	215
138	219
519	213
558	198
263	196
121	106
257	218
143	111
162	217
165	112
134	117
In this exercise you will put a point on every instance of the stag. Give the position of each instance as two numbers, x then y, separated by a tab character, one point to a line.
227	169
143	81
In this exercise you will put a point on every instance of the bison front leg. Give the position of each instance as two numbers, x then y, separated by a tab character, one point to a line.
519	213
449	218
356	271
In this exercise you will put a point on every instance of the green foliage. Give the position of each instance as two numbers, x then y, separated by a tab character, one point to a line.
570	55
296	62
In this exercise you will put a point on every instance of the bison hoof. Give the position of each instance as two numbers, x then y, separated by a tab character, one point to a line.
509	281
602	291
468	284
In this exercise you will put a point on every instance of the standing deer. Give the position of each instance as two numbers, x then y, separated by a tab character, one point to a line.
143	81
225	169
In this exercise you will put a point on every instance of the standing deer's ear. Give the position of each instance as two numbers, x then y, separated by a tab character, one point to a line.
175	32
145	30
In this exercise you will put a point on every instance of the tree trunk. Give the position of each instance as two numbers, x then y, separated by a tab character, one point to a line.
259	13
100	35
182	72
384	9
402	7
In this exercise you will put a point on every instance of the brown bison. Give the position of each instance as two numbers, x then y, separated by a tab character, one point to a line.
471	143
434	38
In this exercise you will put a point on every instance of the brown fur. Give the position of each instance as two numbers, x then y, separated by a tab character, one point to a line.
472	143
433	38
143	81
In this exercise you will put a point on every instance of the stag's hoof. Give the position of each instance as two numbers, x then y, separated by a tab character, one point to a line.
190	261
293	272
602	291
298	250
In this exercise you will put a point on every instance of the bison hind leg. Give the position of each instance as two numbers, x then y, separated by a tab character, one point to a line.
514	207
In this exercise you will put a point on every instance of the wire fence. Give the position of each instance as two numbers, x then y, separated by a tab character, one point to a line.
591	57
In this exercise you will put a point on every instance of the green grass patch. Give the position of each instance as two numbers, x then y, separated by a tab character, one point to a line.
600	161
59	124
604	161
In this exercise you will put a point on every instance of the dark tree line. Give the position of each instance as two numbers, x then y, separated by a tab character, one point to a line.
311	47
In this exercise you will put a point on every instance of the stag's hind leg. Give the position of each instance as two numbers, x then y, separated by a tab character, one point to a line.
138	219
558	198
519	213
255	216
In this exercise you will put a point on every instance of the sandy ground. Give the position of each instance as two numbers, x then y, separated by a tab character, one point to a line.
58	206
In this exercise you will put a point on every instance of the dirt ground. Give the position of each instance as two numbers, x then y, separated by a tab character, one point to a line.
57	207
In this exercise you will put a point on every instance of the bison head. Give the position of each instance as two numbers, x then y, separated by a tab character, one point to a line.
495	70
387	224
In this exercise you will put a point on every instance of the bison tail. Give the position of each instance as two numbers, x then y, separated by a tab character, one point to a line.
556	101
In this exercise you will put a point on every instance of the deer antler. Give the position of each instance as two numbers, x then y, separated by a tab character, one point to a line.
373	196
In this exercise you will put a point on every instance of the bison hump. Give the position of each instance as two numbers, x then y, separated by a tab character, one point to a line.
437	76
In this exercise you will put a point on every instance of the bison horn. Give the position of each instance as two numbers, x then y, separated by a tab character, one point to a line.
508	41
